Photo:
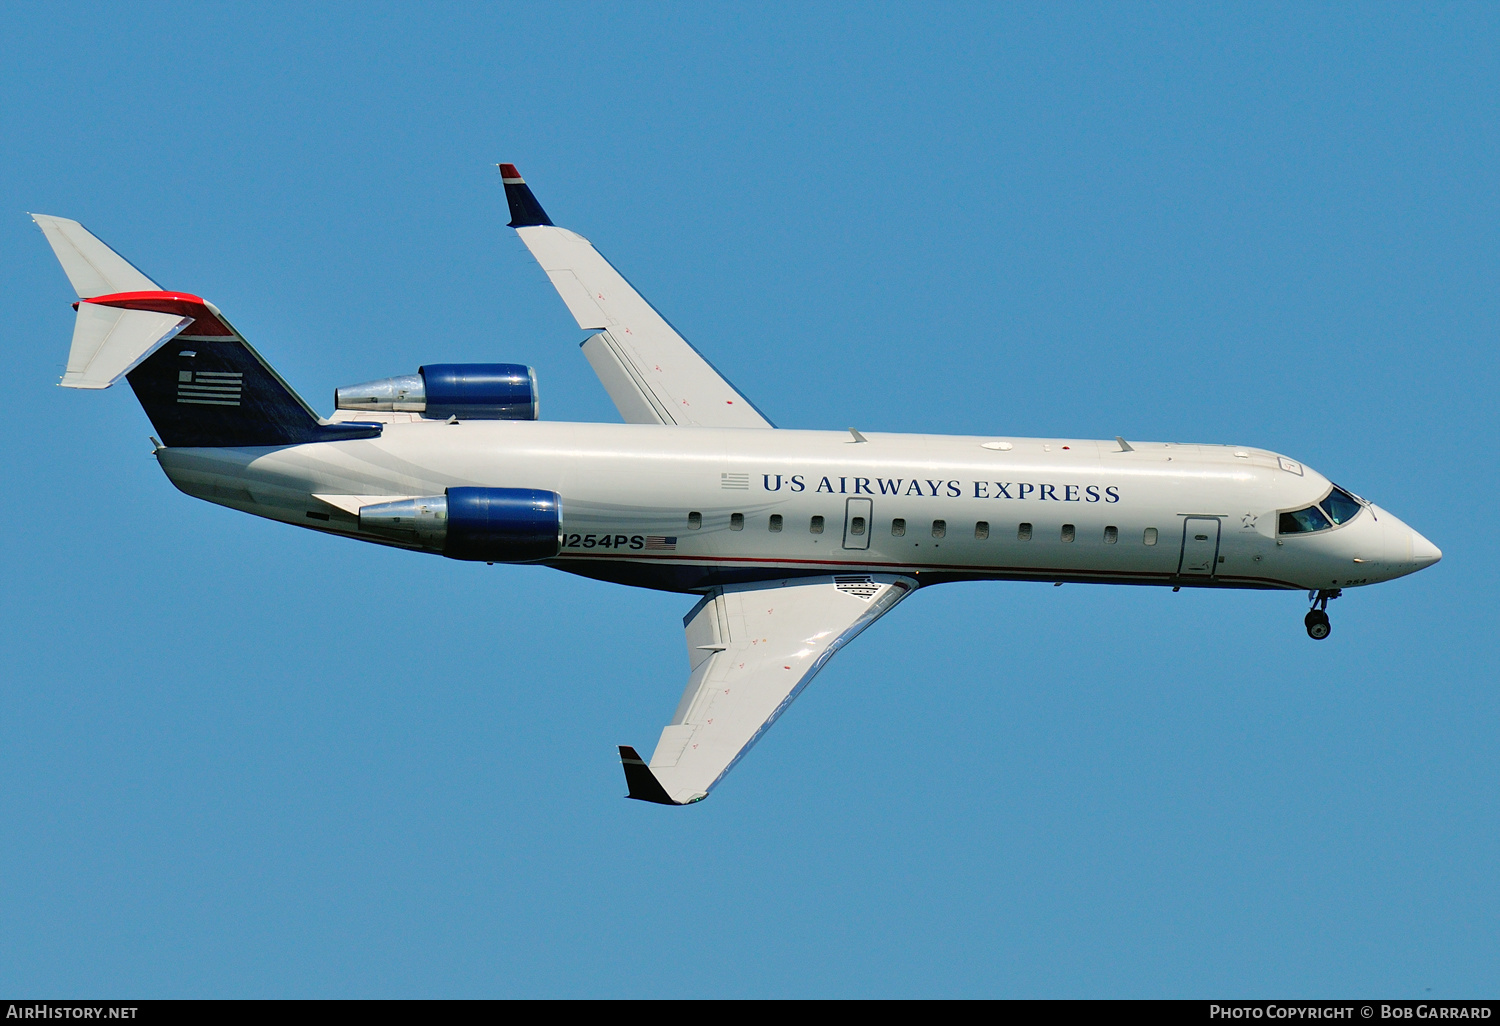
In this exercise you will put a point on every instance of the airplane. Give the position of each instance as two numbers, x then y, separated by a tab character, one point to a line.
792	541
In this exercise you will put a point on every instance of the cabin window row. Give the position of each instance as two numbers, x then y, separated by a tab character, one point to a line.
939	528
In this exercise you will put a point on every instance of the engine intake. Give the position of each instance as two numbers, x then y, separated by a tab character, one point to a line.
468	391
493	525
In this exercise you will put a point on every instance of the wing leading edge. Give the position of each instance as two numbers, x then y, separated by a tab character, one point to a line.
752	648
653	375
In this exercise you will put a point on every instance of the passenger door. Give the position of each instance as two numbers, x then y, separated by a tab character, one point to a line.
1200	547
857	523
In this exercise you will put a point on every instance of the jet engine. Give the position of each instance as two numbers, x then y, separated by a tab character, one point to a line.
468	391
493	525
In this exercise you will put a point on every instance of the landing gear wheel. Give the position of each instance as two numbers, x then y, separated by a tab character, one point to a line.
1318	627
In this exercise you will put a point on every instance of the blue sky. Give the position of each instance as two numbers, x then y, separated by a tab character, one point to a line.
244	760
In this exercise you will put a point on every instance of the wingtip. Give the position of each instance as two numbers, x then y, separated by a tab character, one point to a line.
525	211
643	785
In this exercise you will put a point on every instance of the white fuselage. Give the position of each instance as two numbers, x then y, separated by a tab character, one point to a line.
683	510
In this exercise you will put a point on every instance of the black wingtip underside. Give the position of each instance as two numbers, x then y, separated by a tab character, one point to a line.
644	786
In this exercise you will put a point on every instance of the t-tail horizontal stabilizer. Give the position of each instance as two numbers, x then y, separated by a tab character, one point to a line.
111	341
642	782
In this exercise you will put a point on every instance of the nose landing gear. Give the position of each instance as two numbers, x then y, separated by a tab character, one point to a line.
1316	620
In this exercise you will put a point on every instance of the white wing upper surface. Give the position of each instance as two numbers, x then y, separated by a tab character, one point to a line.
751	649
650	371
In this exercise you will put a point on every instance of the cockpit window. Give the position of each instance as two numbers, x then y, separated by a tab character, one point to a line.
1301	521
1340	506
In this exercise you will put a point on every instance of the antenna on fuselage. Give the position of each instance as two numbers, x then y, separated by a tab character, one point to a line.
1124	445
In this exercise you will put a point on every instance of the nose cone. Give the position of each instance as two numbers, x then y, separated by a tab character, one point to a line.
1423	552
1388	548
1404	550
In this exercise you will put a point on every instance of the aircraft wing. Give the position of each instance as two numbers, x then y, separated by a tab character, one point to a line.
752	648
650	371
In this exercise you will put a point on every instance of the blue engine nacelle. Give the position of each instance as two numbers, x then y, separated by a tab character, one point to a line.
468	391
491	525
480	391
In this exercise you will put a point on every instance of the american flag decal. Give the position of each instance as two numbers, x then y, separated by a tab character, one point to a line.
860	586
656	543
209	388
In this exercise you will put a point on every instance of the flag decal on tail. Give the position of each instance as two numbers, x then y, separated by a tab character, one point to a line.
210	388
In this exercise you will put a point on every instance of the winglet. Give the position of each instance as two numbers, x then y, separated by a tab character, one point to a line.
642	782
525	211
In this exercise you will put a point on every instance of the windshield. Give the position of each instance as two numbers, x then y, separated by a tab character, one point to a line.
1340	506
1337	507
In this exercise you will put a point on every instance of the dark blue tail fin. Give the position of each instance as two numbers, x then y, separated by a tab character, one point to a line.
208	387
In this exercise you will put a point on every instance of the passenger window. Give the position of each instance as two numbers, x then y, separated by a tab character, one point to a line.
736	521
857	526
815	526
1149	537
695	521
775	524
1068	532
939	528
982	530
1340	506
1302	521
1023	533
898	528
1111	535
